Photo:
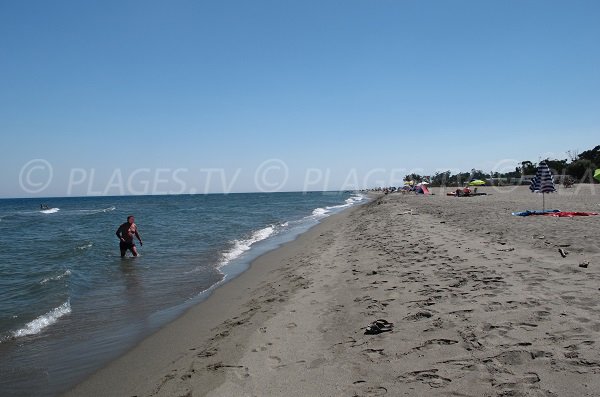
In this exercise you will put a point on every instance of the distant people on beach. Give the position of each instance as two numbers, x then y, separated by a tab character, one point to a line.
462	192
125	233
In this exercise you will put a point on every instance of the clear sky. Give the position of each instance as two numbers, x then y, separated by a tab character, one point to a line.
278	95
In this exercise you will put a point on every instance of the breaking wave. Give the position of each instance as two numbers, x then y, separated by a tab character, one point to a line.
56	278
36	326
322	212
241	246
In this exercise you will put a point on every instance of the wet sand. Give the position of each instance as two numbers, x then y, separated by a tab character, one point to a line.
483	304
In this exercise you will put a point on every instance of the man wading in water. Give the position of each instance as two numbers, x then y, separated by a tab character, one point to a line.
125	233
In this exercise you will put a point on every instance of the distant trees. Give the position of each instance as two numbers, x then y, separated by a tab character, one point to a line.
580	166
528	168
557	165
592	155
414	178
441	178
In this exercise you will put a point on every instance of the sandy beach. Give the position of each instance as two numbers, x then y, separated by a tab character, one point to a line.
482	302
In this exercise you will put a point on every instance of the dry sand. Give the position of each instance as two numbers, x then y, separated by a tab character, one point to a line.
483	305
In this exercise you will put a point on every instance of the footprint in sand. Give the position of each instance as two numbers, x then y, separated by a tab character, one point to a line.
418	316
275	362
427	376
365	390
517	357
261	349
436	342
316	363
207	353
374	355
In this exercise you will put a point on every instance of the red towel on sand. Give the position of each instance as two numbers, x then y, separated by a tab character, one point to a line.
570	214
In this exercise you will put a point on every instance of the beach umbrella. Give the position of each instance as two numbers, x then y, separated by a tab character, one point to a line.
477	182
535	185
543	182
597	174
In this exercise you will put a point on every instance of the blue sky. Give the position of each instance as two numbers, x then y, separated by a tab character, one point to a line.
355	89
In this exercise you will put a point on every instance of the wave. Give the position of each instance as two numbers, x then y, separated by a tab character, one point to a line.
355	199
97	211
322	212
37	325
56	278
9	216
241	246
85	246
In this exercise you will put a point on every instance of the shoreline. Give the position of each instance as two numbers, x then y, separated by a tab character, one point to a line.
482	304
116	303
173	341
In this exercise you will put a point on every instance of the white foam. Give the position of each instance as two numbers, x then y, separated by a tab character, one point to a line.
108	209
333	207
56	278
323	212
241	246
37	325
320	211
354	199
85	246
50	211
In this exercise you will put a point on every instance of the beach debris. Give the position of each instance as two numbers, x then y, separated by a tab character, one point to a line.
506	249
372	273
378	326
584	264
563	252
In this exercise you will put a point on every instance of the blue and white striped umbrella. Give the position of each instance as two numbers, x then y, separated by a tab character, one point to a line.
543	182
535	184
544	178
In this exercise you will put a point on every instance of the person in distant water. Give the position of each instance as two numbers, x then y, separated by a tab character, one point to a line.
125	233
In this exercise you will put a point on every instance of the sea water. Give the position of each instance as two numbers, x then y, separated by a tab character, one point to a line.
69	303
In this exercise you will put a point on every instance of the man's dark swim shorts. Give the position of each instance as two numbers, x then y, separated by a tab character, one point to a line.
124	245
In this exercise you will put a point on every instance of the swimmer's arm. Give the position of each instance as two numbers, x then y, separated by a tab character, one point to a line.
138	236
118	233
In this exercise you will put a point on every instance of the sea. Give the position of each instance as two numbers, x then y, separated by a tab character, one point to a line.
69	304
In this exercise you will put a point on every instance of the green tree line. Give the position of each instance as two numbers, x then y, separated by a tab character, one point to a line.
579	168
